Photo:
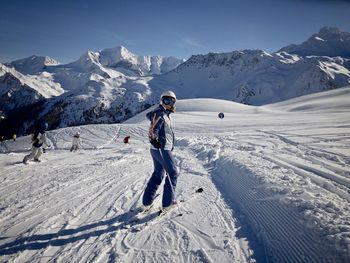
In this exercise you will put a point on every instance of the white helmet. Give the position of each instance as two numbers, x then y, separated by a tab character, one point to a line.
167	93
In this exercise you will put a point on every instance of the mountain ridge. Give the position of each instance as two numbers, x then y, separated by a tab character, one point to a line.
329	41
110	85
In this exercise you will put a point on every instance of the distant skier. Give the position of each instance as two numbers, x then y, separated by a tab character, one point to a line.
162	143
38	140
14	137
76	142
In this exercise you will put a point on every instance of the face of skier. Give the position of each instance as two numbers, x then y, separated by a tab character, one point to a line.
169	103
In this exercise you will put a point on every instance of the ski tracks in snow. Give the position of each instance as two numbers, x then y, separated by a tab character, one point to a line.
262	201
72	207
76	199
264	178
205	232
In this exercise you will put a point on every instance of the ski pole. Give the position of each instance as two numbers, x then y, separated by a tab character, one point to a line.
172	188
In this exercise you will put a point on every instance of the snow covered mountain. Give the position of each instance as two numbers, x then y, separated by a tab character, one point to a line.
32	65
99	87
18	90
118	58
255	76
114	84
123	60
330	42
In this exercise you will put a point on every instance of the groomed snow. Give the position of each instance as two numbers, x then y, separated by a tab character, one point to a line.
276	183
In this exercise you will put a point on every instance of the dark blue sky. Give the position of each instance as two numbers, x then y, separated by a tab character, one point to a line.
64	29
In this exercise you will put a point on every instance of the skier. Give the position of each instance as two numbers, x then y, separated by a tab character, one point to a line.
38	140
76	142
162	143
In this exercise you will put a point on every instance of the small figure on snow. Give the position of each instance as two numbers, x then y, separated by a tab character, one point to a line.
162	139
126	139
38	140
221	115
14	137
76	142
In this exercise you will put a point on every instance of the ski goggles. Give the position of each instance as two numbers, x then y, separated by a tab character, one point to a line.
169	101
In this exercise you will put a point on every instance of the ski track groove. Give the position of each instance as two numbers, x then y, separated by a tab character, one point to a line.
272	215
91	209
196	236
97	196
318	180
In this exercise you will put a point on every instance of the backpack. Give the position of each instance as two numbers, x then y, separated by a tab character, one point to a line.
153	138
35	139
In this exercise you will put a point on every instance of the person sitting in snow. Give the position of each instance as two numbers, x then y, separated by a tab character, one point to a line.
161	137
38	140
76	142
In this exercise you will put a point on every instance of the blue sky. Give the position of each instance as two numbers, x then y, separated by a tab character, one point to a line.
65	29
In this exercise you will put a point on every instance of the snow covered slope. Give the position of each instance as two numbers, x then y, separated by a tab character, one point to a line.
328	101
330	42
275	178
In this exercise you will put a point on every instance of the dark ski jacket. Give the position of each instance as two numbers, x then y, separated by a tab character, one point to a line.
38	139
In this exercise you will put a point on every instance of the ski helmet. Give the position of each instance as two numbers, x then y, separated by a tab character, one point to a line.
168	97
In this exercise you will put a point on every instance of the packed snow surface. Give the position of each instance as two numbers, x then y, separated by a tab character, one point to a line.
276	183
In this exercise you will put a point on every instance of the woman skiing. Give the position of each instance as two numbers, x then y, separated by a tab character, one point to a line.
161	137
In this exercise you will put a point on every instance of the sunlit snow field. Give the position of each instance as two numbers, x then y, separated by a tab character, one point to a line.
276	183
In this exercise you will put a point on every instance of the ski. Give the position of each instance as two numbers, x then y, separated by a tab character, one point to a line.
138	213
149	218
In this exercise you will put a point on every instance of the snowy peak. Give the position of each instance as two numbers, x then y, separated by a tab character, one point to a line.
330	33
33	64
87	62
103	62
112	56
330	41
122	59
